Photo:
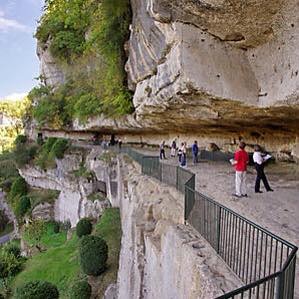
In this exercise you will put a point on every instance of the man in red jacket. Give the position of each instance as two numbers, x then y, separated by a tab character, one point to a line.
240	162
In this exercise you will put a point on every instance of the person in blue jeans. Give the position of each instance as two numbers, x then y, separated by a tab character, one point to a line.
195	151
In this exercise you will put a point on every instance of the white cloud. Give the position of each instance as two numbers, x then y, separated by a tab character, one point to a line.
10	24
15	96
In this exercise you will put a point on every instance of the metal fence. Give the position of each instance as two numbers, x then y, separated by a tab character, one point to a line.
263	261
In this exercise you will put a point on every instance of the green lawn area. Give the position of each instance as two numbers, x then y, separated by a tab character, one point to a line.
59	264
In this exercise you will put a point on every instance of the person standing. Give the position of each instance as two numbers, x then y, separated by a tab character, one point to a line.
195	151
240	162
162	150
180	153
173	149
259	162
184	154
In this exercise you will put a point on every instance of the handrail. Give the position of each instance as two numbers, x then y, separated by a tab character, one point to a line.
225	226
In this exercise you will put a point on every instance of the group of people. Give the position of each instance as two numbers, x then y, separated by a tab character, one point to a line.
180	151
240	162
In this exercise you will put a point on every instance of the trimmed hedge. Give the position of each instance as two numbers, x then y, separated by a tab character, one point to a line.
37	290
93	252
80	290
83	227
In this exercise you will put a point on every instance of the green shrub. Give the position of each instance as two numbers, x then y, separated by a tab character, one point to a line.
56	227
9	264
18	188
13	249
80	290
83	227
59	147
37	290
20	140
23	206
24	154
1	296
93	253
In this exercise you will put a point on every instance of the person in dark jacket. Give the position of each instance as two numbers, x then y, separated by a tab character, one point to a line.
195	151
162	150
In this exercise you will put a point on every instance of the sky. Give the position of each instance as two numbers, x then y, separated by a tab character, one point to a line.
18	61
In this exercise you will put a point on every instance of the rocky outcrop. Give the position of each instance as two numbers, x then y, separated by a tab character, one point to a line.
50	69
73	202
160	256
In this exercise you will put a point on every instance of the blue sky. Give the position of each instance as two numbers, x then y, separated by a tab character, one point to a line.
18	60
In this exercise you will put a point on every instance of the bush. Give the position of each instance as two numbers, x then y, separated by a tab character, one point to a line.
18	188
3	220
80	290
59	147
20	140
93	252
56	227
13	249
9	264
23	206
37	290
83	227
1	296
6	185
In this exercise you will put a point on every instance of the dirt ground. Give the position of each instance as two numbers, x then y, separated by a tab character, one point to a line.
276	211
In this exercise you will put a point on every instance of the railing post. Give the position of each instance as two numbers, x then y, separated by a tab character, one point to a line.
218	230
280	286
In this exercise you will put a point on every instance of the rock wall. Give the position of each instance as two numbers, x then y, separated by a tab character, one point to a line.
160	256
72	203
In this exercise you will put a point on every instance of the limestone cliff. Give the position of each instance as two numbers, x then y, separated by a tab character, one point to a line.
209	68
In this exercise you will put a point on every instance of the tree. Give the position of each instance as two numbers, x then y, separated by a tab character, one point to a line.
34	232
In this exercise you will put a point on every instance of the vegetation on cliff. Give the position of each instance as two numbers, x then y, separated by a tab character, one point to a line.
12	114
87	40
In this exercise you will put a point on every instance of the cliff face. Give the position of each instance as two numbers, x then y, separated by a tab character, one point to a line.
210	68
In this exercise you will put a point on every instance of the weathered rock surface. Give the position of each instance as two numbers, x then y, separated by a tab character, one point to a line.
213	68
43	211
160	257
72	203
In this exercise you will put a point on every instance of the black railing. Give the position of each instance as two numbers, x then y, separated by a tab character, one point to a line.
264	262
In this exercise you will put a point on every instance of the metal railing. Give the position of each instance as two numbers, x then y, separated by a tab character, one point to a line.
264	262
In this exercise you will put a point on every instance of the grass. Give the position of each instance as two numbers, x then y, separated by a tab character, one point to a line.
58	265
109	228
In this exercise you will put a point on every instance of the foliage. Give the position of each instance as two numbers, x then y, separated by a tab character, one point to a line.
3	221
14	113
83	227
23	206
96	196
82	172
18	188
59	147
37	290
20	140
83	32
14	249
51	149
59	264
93	252
80	290
109	228
33	232
25	154
9	264
39	196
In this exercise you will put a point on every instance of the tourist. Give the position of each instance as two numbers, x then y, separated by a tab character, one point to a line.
180	153
195	152
240	162
259	161
119	143
173	149
184	154
162	150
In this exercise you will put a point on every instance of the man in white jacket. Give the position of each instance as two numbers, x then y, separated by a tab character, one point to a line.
259	162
